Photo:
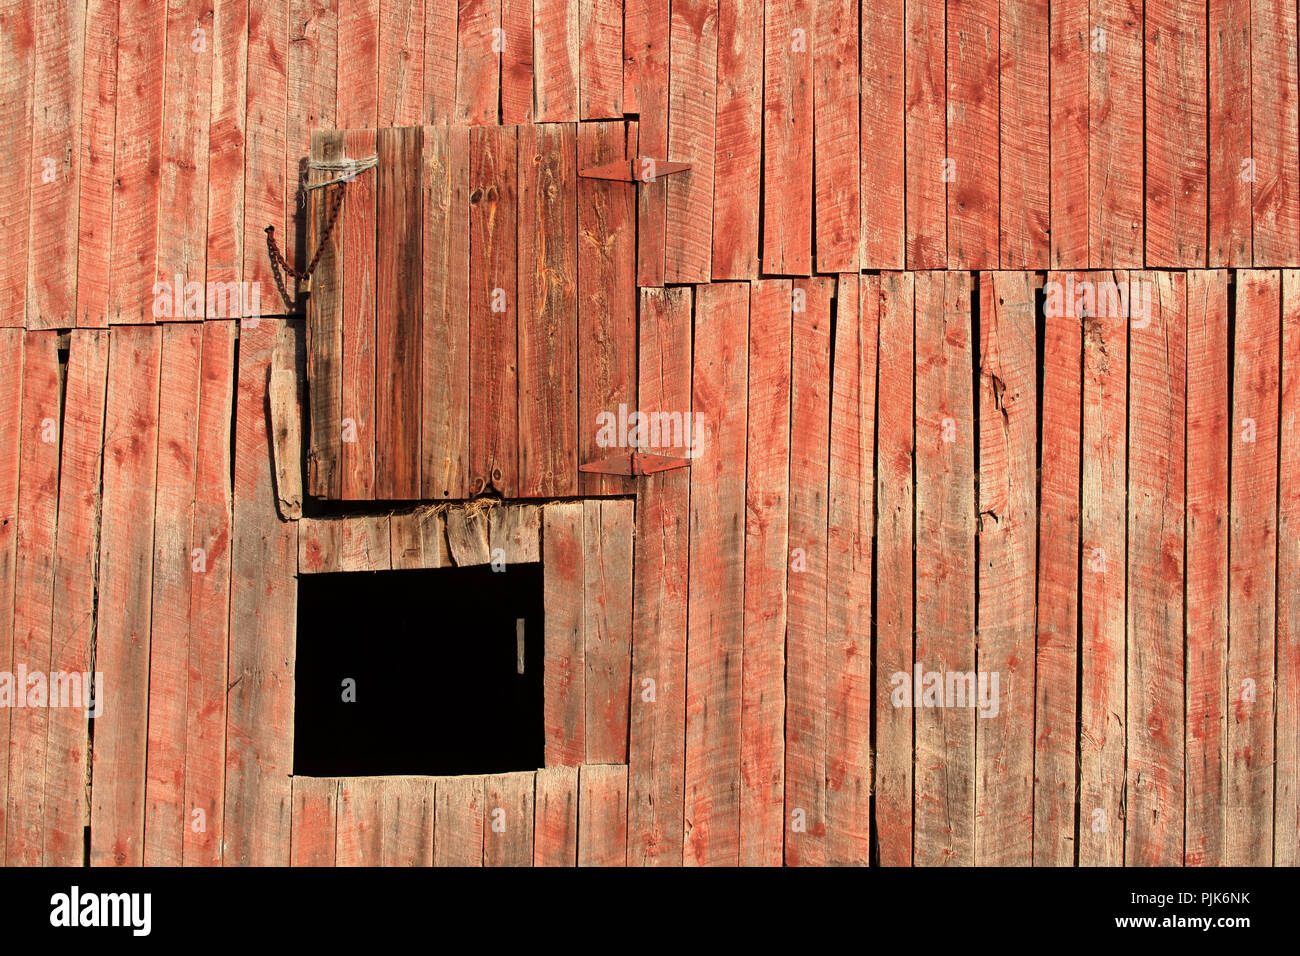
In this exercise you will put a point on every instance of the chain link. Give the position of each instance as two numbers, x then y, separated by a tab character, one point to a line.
279	259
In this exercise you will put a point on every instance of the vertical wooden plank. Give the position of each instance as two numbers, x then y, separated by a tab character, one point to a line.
401	62
1252	569
478	62
226	142
1208	443
1115	182
1176	116
319	544
38	498
444	469
646	34
1057	656
882	98
555	61
263	609
606	302
325	332
1275	134
517	62
313	95
657	733
11	393
564	698
548	311
1229	96
75	567
973	129
894	570
835	132
265	147
1007	528
1157	431
600	59
439	61
692	123
850	528
399	311
205	744
418	539
358	65
56	162
517	531
607	627
17	93
715	616
1024	127
467	536
1102	575
1071	41
738	144
357	223
314	812
125	570
408	813
1286	796
944	817
359	823
458	821
555	820
493	310
364	544
165	819
788	81
806	677
508	830
767	511
926	125
602	815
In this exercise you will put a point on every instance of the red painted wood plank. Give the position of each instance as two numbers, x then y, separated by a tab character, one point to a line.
325	330
850	527
444	468
927	155
836	116
1208	442
607	529
68	749
357	222
1176	116
555	817
11	394
1275	136
1286	797
265	202
600	59
788	77
602	815
548	311
125	570
358	66
439	61
1157	432
1115	183
314	812
564	703
136	170
313	95
458	821
646	34
1252	569
1102	576
508	829
1024	128
715	624
805	683
493	309
737	146
399	311
17	93
882	98
359	822
1068	175
478	62
606	302
226	134
209	615
944	815
385	821
692	96
1057	656
56	161
767	554
1229	96
657	732
894	570
401	62
973	133
555	61
38	496
174	570
517	62
263	608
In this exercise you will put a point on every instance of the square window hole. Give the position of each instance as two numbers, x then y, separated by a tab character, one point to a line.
434	655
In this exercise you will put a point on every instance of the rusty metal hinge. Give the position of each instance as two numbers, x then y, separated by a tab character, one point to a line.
634	463
638	169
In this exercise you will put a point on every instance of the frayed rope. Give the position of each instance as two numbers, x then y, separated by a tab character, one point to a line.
353	166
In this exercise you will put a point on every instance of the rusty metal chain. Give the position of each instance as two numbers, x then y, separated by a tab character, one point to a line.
304	277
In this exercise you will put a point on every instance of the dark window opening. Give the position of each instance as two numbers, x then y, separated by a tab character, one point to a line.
436	658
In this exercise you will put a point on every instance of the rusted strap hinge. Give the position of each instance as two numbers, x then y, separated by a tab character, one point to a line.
638	169
634	463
